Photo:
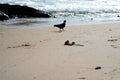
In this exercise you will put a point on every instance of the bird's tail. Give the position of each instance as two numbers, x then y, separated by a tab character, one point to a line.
55	26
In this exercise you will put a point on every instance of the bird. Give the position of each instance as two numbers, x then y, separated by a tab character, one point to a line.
61	26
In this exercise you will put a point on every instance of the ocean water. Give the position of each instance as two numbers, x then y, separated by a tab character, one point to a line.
74	11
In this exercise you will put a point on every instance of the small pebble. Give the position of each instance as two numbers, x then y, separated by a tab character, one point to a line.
97	68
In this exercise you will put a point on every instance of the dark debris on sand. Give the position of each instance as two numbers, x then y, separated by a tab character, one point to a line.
98	67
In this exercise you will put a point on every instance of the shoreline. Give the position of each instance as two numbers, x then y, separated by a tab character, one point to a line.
45	22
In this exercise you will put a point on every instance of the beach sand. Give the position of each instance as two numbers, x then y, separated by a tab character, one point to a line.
40	53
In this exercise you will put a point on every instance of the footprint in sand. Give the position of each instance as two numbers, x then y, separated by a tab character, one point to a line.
114	73
113	40
22	45
113	46
82	78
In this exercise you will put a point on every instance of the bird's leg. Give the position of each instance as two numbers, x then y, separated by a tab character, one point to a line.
60	30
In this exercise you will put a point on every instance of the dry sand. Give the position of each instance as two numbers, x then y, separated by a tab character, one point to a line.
40	53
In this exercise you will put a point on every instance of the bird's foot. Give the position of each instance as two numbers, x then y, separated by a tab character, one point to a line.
60	30
63	29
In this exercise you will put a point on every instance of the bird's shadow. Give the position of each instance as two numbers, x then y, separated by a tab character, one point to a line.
57	31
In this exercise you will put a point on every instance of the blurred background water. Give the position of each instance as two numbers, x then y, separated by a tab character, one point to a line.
74	11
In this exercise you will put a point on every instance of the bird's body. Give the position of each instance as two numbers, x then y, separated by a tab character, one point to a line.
61	26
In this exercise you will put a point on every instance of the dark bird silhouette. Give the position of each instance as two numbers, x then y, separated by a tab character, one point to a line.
61	26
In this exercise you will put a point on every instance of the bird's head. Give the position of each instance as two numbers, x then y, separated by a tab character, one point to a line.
64	21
